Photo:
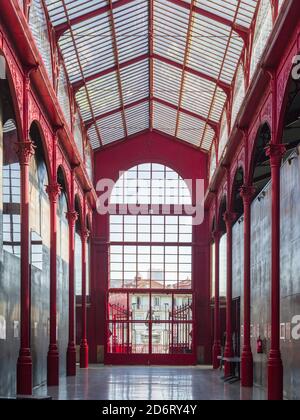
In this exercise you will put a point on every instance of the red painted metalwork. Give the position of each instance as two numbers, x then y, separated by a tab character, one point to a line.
221	69
217	331
247	193
211	123
185	60
240	30
84	350
116	55
25	151
151	63
72	216
60	29
275	367
53	191
229	219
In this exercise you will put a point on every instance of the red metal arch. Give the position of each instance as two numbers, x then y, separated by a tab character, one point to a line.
15	81
45	146
252	152
67	191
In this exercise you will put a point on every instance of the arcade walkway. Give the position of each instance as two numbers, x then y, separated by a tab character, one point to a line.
149	383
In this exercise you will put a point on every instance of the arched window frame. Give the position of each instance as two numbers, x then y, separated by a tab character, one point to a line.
39	26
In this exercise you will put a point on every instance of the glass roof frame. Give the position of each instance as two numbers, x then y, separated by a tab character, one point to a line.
147	55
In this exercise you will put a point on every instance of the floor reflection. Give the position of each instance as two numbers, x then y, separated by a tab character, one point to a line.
149	383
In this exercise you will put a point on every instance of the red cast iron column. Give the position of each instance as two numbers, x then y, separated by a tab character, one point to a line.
229	219
71	352
53	353
217	338
25	151
84	350
275	367
247	193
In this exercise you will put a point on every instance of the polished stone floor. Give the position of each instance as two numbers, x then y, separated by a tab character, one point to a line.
149	383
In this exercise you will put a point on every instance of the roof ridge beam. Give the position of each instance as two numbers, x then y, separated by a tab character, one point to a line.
63	27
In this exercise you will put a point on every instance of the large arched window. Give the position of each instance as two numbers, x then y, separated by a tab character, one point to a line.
150	261
263	28
223	135
63	95
238	93
39	28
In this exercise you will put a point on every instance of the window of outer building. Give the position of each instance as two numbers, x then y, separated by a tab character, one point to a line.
155	250
213	162
223	265
11	191
63	94
78	134
39	206
238	93
62	234
223	135
88	162
263	28
39	29
212	269
78	261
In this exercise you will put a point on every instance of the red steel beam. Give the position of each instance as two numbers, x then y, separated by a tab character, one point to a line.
116	54
240	30
82	74
224	86
221	69
63	27
185	60
151	62
80	83
214	125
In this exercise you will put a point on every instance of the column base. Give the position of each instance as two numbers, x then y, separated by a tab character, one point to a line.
24	373
84	354
227	365
215	354
71	360
247	369
275	377
53	366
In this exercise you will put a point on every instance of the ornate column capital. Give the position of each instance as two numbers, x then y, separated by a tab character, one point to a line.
247	193
275	152
72	217
53	191
216	235
25	150
85	234
229	218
